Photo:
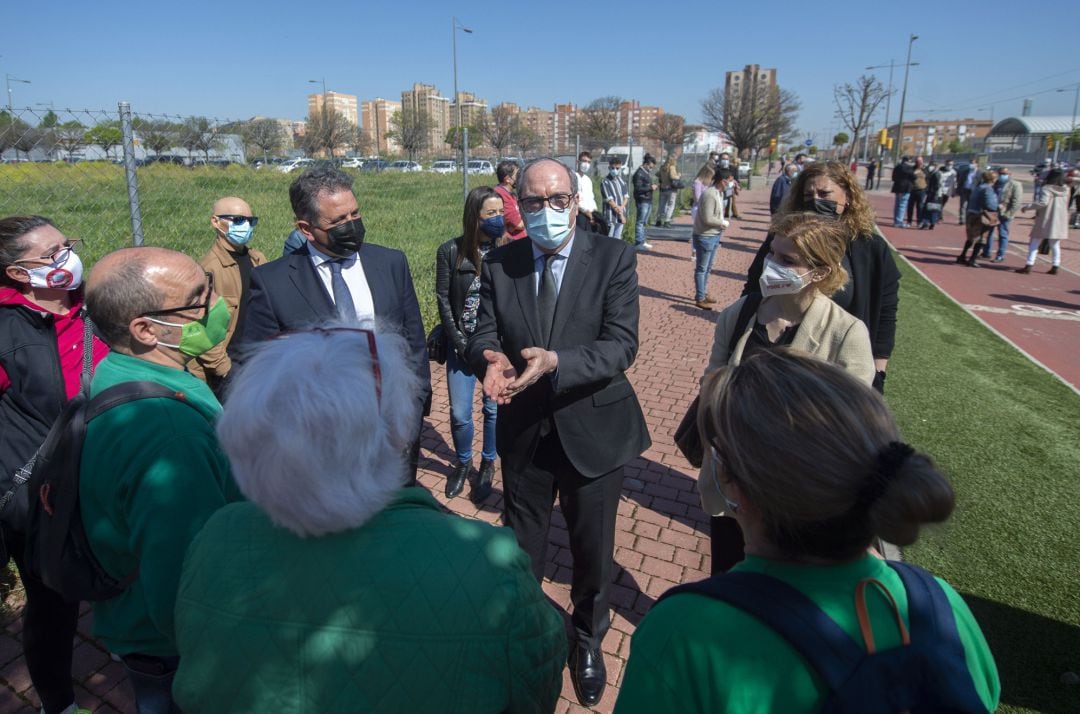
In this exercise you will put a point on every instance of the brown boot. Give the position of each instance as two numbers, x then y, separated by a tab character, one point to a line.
1025	270
1053	270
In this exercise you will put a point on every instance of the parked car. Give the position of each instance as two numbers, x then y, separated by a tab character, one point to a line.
352	162
293	164
406	166
478	166
375	165
444	167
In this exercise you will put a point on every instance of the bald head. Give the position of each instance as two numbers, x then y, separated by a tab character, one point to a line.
231	206
129	282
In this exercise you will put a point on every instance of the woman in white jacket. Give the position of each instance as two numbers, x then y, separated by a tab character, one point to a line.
1051	221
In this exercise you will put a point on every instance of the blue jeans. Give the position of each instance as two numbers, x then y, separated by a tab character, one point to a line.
643	209
900	208
1003	238
704	250
461	383
615	230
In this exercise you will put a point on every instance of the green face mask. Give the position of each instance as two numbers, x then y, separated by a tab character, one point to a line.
199	336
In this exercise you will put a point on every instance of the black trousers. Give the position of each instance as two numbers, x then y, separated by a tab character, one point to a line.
49	623
589	506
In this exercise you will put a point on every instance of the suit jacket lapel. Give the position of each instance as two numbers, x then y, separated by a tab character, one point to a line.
308	284
808	336
520	268
576	270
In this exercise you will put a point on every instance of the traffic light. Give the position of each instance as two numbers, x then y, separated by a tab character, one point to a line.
888	144
1049	142
772	146
883	138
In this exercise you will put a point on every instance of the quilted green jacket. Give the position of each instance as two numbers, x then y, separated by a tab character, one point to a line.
415	611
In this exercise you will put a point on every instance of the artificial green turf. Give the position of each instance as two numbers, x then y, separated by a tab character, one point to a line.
1008	434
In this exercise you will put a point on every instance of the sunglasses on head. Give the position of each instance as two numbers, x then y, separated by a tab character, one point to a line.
231	218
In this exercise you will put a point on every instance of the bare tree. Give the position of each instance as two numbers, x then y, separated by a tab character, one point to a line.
410	128
159	136
265	135
669	130
107	135
29	140
761	113
69	136
528	141
328	131
361	142
856	104
501	128
198	134
598	123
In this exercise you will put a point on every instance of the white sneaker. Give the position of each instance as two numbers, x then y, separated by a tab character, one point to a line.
646	245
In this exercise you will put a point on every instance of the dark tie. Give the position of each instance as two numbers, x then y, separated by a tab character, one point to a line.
342	297
546	299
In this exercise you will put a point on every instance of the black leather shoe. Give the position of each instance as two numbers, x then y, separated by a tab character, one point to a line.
482	489
588	673
456	480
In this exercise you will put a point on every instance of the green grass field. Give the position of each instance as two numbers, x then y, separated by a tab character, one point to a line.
1006	431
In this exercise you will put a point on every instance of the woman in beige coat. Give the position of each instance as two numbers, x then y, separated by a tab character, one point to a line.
803	268
1051	221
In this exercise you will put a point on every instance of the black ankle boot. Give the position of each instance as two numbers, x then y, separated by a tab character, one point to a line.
456	480
482	489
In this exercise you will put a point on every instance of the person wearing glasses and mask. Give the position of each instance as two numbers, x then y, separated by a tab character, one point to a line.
337	275
156	309
42	363
556	331
230	260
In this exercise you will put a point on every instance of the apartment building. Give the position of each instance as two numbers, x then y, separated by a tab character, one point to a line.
375	120
343	104
924	137
426	98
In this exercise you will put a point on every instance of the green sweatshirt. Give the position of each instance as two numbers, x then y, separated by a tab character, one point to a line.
151	475
695	654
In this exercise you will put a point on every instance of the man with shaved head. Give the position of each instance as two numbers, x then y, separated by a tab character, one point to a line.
151	472
230	261
556	332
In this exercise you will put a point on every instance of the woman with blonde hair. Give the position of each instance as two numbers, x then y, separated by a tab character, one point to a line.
803	269
812	465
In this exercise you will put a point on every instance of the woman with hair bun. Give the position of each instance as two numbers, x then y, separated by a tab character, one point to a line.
811	464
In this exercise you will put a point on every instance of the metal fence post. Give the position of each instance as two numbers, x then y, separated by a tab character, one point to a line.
129	172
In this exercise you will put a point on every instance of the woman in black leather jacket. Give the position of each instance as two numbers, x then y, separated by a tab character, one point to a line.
457	290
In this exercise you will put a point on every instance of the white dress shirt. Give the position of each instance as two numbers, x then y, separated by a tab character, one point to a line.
586	200
558	265
353	272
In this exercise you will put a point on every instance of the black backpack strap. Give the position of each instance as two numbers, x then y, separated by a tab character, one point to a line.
126	392
746	313
931	620
825	646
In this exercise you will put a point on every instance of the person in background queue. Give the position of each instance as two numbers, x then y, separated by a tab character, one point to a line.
506	173
613	192
644	185
587	216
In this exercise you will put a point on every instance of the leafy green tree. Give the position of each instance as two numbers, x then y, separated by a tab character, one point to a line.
159	136
453	138
11	129
70	136
49	121
107	135
198	134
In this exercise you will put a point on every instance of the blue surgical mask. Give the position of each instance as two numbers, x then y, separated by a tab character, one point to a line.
1003	178
493	227
548	228
613	173
240	233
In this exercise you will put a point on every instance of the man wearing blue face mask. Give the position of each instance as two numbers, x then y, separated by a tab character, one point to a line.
556	331
230	260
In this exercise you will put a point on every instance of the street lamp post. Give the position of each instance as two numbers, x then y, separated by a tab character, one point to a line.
1072	127
454	27
8	79
323	110
903	99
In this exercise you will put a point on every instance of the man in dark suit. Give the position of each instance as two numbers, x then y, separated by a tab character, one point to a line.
335	276
556	331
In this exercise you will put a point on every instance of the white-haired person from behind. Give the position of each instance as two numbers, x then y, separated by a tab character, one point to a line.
337	587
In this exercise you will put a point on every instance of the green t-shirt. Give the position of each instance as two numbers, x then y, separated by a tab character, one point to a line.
696	654
151	475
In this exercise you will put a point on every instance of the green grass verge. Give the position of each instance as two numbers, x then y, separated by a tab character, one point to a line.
1008	434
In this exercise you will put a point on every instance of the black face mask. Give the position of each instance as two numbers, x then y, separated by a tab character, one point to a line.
825	207
347	238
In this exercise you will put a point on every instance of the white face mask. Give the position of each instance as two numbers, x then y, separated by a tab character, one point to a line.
585	166
63	274
548	228
777	279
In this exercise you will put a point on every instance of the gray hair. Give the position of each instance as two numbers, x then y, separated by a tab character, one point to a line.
309	441
305	190
113	301
564	167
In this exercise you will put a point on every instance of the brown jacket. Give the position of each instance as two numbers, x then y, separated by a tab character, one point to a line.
220	261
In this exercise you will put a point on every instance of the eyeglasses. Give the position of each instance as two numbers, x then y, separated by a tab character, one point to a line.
204	306
373	349
71	245
558	201
253	220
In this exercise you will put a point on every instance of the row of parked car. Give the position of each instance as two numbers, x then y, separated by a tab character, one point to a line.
443	166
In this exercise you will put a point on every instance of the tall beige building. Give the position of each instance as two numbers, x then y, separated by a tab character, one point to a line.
752	81
542	123
426	98
376	115
635	122
473	110
344	104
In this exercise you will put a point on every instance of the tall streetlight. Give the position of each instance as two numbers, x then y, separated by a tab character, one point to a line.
1072	128
322	111
903	99
8	79
888	103
463	136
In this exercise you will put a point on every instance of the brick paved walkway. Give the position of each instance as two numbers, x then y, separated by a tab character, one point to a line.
662	534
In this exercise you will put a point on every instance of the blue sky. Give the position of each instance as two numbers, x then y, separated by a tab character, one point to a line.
235	60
